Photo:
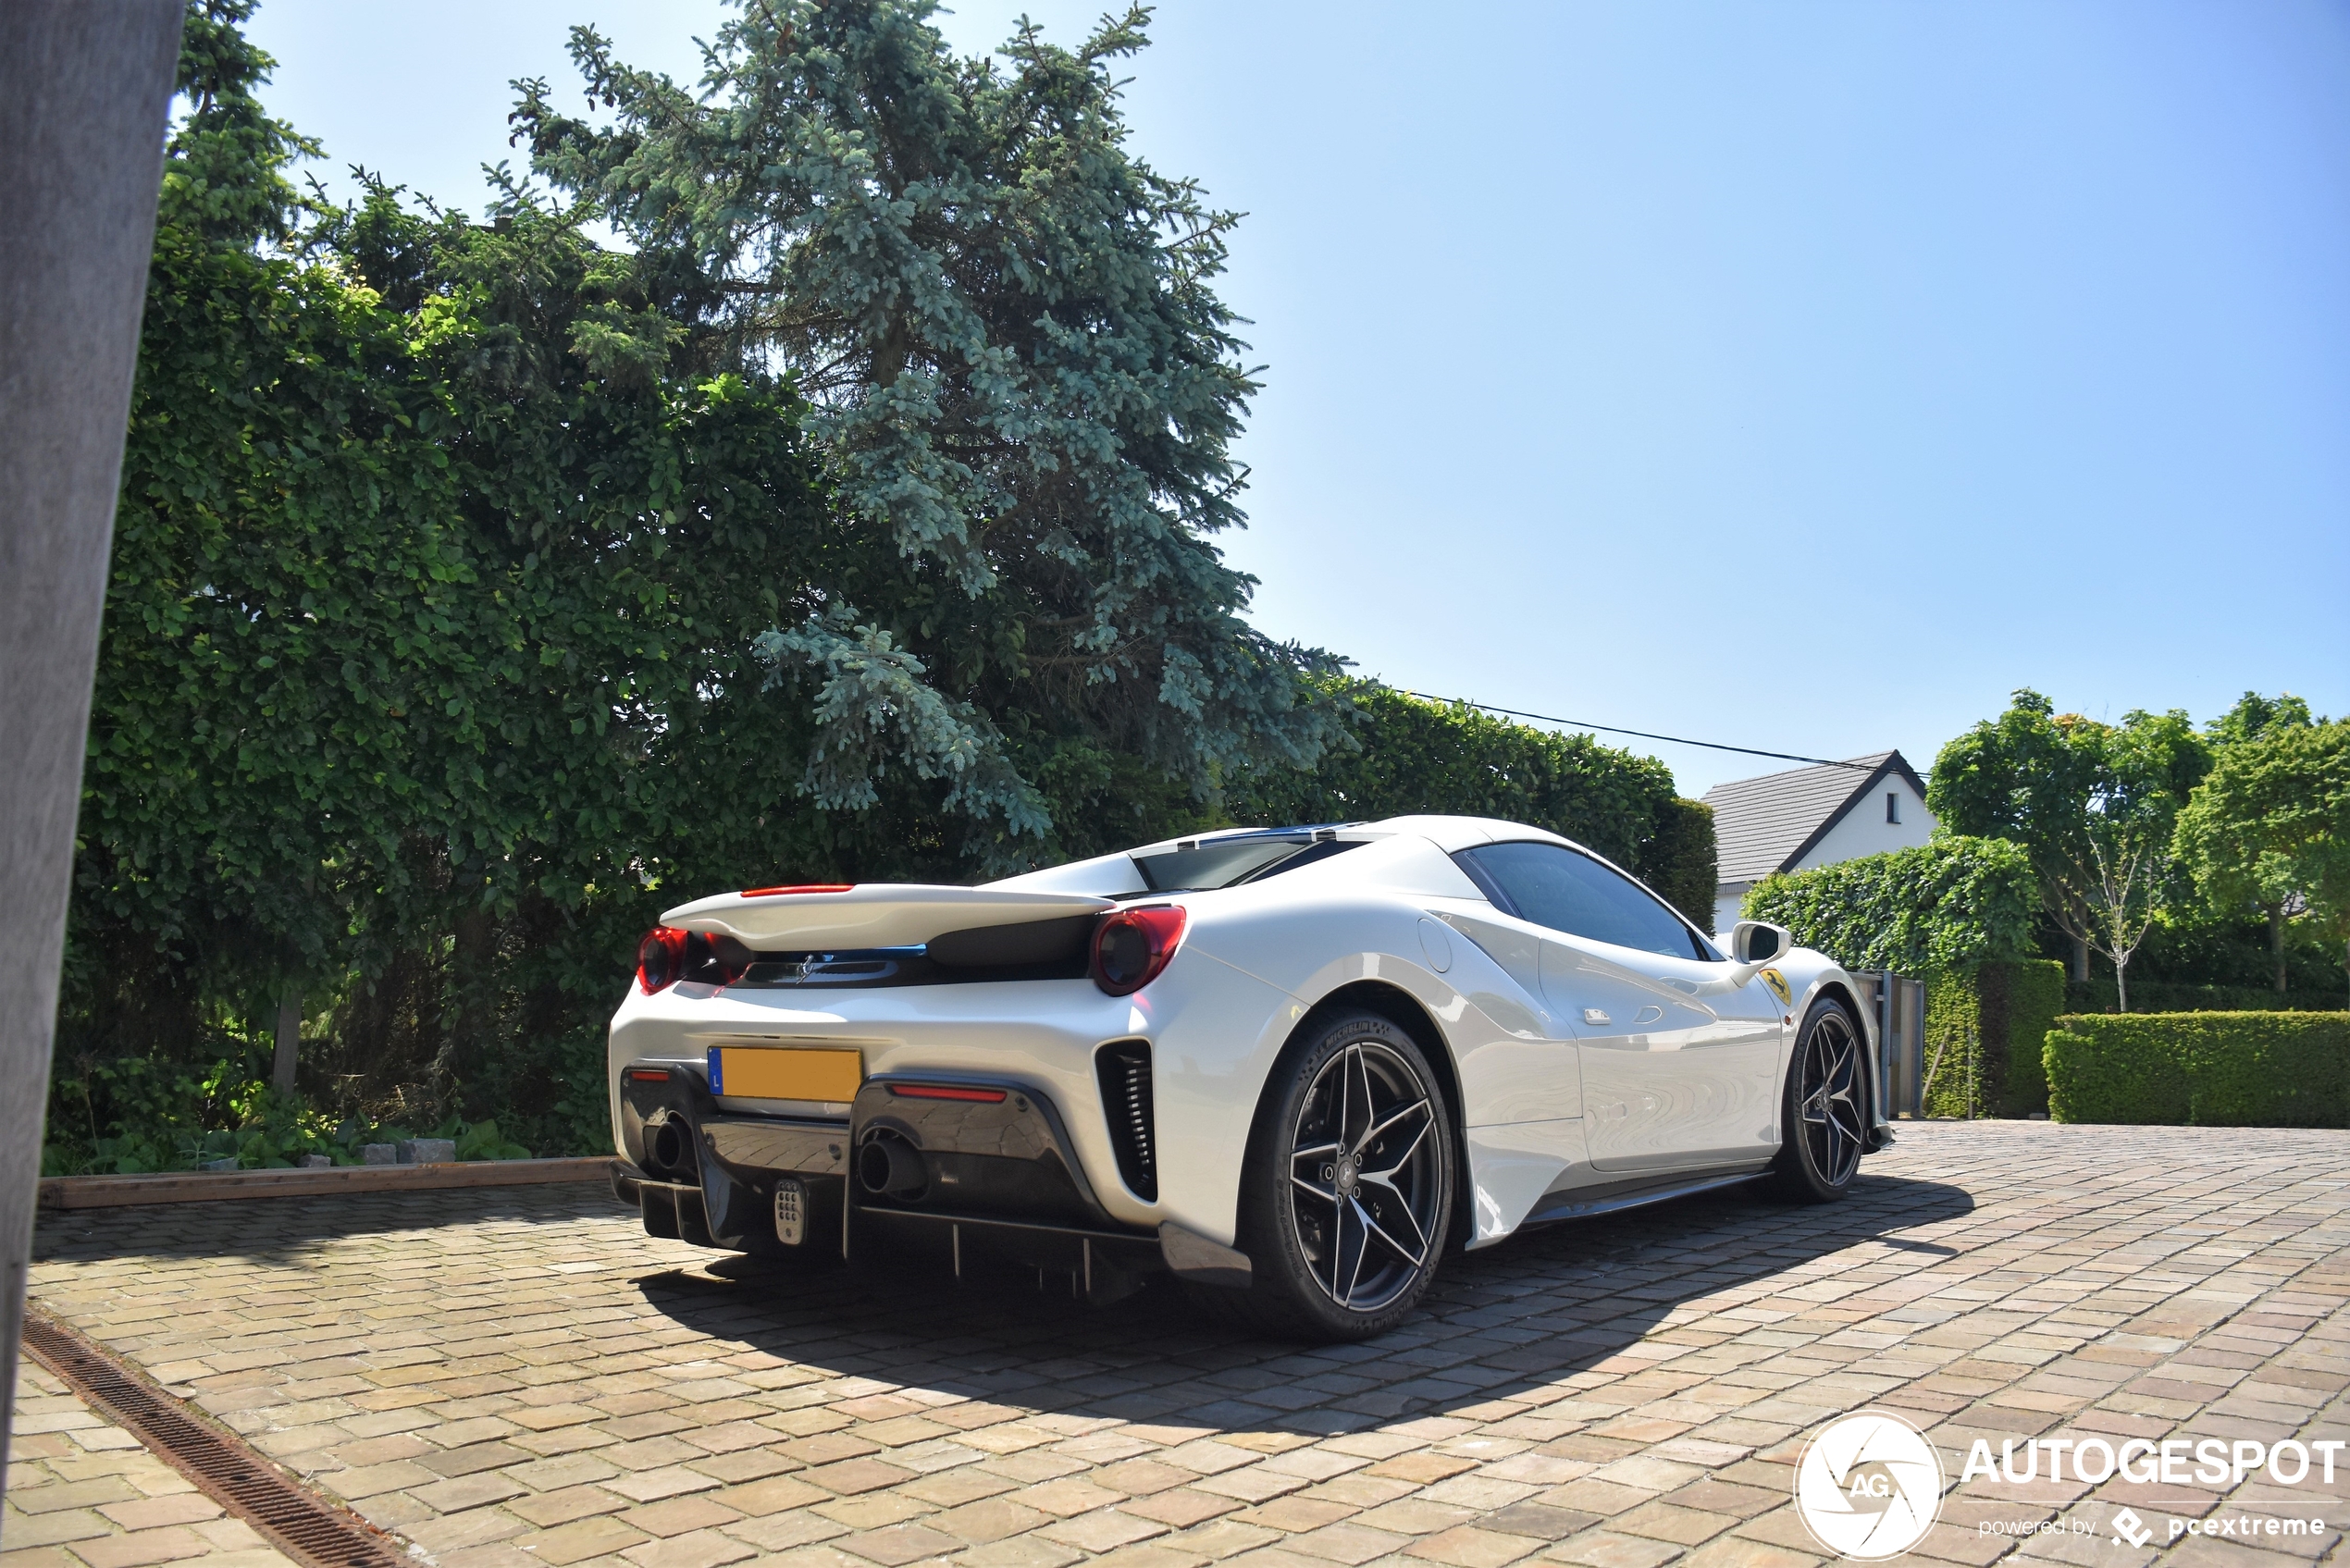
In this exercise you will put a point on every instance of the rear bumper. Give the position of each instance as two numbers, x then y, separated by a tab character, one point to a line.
1211	1029
903	1174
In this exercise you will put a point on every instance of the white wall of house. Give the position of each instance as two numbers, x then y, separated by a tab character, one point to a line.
1726	899
1864	830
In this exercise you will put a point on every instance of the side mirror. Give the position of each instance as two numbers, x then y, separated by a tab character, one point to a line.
1753	942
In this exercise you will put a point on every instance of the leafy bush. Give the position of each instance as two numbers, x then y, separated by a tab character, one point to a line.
1984	1028
1680	859
1409	755
2201	1070
130	1116
477	592
1935	909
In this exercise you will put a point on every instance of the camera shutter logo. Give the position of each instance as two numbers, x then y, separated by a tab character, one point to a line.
1869	1485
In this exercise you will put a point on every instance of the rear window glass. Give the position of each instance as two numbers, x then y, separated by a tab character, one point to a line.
1227	862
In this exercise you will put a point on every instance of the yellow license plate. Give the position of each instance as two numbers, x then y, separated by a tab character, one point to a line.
759	1072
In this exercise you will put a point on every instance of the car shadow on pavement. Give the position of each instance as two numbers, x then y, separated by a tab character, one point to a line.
1527	1313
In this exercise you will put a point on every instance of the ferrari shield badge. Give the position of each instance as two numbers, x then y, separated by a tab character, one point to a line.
1777	983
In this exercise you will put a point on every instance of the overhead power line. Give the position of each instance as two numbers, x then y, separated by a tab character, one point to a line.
1644	734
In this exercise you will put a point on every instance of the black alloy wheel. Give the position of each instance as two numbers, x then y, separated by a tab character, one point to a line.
1348	1191
1826	1112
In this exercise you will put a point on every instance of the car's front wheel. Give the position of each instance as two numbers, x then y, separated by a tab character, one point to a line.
1825	1109
1348	1190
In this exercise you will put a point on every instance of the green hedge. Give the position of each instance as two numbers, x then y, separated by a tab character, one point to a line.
2201	1070
1942	907
1409	755
2003	1012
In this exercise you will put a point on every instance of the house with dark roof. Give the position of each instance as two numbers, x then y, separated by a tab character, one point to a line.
1809	816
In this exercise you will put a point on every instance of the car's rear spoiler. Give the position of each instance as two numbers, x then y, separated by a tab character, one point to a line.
877	914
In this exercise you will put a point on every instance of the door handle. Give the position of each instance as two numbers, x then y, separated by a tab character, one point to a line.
1596	1015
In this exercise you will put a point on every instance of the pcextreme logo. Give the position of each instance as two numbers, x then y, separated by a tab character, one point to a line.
1869	1485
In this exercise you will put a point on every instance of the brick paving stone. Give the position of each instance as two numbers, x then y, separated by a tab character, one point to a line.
580	1540
1622	1393
1605	1548
1465	1546
84	1493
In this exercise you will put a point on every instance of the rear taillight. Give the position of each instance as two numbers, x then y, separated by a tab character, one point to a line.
668	955
661	958
1132	945
808	887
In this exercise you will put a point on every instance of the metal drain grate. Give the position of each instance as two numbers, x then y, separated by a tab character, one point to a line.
306	1527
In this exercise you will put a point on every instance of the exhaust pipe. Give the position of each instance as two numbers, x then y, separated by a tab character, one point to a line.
669	1150
891	1168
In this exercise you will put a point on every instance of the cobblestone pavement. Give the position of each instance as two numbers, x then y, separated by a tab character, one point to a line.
521	1375
84	1494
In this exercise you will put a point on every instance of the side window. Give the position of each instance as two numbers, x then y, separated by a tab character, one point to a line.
1575	894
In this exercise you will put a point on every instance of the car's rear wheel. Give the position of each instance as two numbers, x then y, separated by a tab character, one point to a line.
1348	1187
1825	1108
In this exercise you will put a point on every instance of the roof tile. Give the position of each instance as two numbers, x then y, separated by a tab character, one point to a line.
1760	823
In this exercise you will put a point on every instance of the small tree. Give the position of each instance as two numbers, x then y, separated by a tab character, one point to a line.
2023	777
2124	873
2270	828
2092	804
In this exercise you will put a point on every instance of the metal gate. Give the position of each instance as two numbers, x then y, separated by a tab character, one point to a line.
1897	1005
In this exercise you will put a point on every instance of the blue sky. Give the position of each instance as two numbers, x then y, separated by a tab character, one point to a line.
1804	376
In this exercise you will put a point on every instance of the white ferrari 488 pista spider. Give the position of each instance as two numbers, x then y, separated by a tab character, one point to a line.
1290	1066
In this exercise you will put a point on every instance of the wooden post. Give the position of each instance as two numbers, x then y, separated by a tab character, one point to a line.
83	92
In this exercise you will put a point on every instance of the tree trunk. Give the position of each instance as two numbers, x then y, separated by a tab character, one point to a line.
2121	983
281	1073
2080	957
471	1023
2276	942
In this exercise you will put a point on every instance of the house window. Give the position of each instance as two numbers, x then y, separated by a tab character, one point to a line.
1893	807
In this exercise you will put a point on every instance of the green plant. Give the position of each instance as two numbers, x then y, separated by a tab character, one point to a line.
1985	1026
1020	375
138	1115
133	1115
479	591
2093	805
1955	913
1935	909
1405	755
1679	859
2209	1069
2268	827
2027	998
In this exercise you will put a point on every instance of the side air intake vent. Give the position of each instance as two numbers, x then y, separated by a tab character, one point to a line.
1124	1068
